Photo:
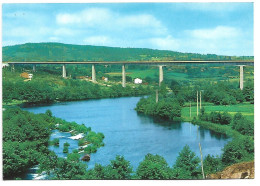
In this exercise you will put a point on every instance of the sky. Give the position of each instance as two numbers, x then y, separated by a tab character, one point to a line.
206	28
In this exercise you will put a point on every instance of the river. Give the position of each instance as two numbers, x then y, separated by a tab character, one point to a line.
131	134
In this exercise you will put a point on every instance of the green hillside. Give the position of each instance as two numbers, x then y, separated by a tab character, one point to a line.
69	52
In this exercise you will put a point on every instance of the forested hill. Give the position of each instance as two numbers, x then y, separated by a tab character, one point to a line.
69	52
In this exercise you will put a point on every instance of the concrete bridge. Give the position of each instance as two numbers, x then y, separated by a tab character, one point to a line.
241	64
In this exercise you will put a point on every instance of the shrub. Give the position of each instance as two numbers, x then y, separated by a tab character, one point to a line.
242	125
153	167
65	149
56	142
238	150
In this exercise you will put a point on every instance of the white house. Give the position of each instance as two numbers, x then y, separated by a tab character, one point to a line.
138	81
5	65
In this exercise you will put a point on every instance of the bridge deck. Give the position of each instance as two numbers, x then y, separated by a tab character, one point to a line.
138	62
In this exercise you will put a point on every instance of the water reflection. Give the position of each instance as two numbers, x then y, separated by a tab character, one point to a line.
170	125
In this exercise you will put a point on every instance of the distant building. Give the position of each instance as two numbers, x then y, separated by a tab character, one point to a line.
105	79
4	65
26	75
138	81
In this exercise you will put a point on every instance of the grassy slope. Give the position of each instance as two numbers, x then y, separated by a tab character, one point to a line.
246	109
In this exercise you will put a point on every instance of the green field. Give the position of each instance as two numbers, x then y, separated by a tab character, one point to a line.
246	109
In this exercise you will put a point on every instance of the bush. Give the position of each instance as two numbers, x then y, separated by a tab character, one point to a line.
212	164
238	150
65	149
56	142
153	167
242	125
66	144
187	165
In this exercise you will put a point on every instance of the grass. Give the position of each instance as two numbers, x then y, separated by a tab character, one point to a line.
246	109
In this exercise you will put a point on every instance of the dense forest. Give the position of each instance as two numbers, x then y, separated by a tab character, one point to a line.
69	52
40	91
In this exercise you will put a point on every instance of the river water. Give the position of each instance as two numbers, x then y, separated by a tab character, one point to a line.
131	134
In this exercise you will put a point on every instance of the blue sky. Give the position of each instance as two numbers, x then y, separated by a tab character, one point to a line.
216	28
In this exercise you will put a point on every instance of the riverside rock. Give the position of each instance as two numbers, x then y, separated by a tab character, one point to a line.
86	157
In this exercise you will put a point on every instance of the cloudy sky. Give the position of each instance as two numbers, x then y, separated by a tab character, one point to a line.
219	28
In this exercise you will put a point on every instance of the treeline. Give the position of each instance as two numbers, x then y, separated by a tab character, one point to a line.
69	90
68	52
238	122
219	93
186	166
168	106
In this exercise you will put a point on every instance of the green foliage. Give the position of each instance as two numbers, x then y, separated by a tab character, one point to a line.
81	142
56	142
212	164
68	52
66	144
65	149
186	165
48	113
153	167
25	140
242	125
238	150
216	117
38	91
119	169
166	108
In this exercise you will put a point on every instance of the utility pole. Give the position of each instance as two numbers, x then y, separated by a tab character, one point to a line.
156	96
190	109
197	103
201	156
200	99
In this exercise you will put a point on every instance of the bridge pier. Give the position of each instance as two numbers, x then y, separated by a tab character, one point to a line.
160	74
12	68
34	68
241	76
94	80
123	76
63	71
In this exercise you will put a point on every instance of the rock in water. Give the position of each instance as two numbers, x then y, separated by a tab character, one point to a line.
86	157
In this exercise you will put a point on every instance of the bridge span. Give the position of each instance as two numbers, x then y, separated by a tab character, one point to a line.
241	64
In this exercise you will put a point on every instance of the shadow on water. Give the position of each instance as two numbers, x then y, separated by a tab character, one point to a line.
159	122
219	136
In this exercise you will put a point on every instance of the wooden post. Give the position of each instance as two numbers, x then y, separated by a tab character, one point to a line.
123	76
156	96
201	156
197	103
190	109
200	99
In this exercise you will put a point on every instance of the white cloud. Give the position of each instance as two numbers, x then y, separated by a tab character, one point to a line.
88	17
164	43
219	40
213	6
98	40
220	32
101	18
65	32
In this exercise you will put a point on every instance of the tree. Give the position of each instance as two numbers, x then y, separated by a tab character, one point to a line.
212	164
119	169
238	150
186	165
153	167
